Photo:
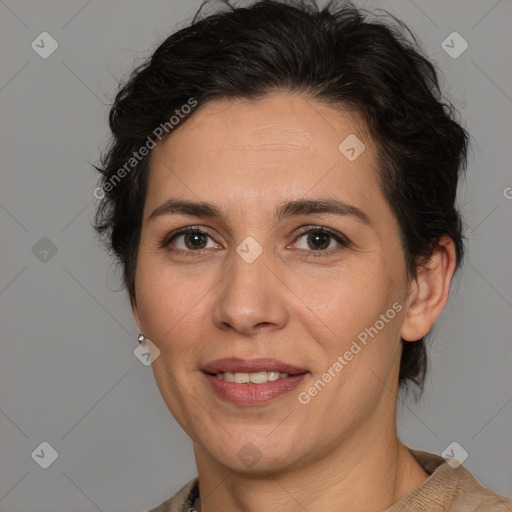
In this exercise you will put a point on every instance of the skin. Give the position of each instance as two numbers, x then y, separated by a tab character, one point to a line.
248	157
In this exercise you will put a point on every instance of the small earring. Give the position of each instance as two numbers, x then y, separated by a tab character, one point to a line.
141	337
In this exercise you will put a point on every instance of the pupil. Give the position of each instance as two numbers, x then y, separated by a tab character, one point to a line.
194	238
316	237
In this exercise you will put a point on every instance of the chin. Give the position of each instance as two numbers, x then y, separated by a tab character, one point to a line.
256	454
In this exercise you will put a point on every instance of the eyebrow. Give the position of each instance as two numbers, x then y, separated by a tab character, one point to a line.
288	209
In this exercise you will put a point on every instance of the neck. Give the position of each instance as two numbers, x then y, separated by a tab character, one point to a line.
368	473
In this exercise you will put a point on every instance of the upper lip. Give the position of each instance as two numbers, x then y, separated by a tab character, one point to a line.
238	365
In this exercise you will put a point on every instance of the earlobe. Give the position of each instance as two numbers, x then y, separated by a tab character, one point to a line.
430	291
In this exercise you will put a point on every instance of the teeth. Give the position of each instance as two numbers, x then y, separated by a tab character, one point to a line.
251	378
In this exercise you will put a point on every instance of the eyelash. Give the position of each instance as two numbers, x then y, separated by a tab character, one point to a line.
342	240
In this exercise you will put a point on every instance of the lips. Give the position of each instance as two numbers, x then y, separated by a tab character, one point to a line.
238	365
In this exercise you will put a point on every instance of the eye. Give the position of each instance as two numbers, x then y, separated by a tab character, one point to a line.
192	239
320	239
189	239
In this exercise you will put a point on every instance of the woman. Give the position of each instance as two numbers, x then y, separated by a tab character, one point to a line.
280	192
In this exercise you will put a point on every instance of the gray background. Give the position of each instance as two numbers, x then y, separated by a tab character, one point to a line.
68	375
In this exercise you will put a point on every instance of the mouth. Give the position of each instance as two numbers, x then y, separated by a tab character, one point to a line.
253	377
252	381
255	371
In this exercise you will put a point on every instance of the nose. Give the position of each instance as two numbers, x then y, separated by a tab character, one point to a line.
251	298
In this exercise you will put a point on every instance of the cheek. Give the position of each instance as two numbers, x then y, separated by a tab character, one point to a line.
171	304
350	299
360	312
171	314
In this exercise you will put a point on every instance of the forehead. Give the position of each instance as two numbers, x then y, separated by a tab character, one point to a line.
282	144
277	122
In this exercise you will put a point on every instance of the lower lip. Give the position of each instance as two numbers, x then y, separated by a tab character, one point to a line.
253	394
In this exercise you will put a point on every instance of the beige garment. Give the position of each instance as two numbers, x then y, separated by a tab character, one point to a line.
445	490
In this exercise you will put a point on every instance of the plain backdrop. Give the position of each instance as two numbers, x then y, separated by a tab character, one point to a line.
68	374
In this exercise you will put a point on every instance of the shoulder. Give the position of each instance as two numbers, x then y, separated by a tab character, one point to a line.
476	498
453	488
471	495
180	501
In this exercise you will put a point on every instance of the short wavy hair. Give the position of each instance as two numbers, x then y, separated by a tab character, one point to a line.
346	57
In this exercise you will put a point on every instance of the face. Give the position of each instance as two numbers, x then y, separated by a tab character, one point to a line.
271	275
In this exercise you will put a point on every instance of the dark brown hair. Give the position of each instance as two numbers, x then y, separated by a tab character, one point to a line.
338	54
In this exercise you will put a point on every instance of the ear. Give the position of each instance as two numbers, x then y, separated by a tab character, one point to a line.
429	290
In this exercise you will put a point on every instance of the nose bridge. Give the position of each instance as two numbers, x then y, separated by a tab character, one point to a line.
249	292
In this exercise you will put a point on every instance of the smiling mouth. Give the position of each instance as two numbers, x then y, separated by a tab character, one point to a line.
249	393
260	377
252	381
